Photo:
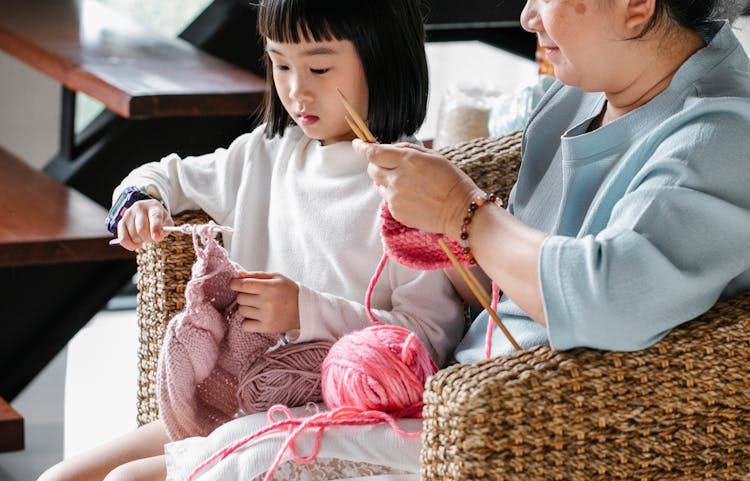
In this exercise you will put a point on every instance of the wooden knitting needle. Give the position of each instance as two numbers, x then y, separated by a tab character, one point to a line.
171	228
166	228
366	134
359	127
355	129
478	292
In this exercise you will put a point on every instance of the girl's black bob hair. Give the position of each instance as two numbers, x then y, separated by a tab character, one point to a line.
389	38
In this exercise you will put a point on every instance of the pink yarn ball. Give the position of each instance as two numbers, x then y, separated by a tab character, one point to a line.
380	368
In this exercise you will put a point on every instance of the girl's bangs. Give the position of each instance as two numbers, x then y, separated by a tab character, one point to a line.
293	21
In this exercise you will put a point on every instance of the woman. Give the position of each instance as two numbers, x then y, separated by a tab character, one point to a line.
631	212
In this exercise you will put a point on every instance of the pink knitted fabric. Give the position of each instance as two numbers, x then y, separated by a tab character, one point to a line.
415	248
210	370
420	250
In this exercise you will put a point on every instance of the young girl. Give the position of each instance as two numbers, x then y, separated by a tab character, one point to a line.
303	209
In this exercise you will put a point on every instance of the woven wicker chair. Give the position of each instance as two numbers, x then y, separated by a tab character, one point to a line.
165	268
679	410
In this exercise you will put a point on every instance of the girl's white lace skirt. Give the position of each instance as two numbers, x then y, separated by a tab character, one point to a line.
372	453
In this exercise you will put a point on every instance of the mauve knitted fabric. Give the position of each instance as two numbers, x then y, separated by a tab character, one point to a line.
208	369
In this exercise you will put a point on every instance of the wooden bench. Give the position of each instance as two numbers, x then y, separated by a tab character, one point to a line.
45	222
56	267
11	428
136	73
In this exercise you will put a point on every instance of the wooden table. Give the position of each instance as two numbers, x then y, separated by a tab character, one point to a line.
11	428
136	73
45	222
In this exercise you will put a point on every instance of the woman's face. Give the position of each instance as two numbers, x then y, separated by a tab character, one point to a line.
307	74
580	39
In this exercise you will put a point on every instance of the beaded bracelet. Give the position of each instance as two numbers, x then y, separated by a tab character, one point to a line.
475	204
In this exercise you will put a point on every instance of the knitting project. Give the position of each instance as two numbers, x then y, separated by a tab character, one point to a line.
418	249
371	376
209	369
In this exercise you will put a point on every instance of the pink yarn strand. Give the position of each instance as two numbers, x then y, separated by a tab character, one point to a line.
371	287
204	232
490	324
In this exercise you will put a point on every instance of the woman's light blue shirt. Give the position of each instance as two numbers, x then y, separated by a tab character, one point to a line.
649	214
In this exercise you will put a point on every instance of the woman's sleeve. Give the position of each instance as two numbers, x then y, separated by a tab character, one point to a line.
422	301
675	239
209	182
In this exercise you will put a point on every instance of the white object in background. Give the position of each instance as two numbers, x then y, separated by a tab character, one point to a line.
101	381
464	113
453	63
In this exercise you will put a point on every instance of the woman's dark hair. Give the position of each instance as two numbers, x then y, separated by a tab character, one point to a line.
691	13
389	38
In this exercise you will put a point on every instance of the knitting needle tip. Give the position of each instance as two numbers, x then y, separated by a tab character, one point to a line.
167	228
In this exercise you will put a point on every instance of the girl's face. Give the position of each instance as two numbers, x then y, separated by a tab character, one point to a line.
307	74
581	40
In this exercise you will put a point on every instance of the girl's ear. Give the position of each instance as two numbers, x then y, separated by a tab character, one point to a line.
638	13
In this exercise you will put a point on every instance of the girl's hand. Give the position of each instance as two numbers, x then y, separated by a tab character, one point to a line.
142	222
423	189
268	302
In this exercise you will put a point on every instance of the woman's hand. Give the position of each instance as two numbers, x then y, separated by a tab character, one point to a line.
423	189
142	222
268	302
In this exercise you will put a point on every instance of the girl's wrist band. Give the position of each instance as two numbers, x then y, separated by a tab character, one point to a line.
475	204
128	197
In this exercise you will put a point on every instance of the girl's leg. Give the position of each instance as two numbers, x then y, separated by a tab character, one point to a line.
145	442
148	469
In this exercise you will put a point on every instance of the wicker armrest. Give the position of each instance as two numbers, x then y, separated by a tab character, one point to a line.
491	162
164	270
678	410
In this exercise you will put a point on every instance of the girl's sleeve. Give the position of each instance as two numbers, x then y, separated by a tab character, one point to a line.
422	301
209	182
674	242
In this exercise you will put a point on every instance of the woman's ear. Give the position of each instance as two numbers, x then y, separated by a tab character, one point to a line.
638	13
